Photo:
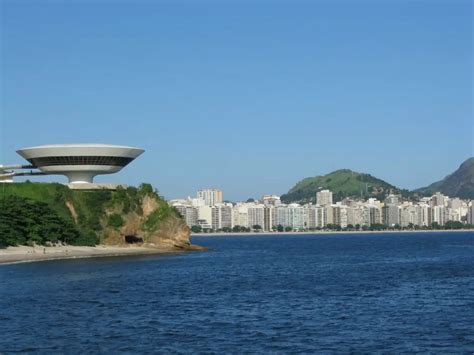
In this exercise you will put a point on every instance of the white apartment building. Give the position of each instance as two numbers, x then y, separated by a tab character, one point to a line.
296	216
211	197
324	198
196	202
222	216
314	216
339	215
270	212
355	215
424	214
391	214
240	215
256	215
408	215
271	200
268	215
281	216
205	214
438	199
438	214
470	214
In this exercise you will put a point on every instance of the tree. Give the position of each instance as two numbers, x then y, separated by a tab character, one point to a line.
288	229
453	225
280	228
196	229
146	189
24	221
115	221
257	227
435	225
236	229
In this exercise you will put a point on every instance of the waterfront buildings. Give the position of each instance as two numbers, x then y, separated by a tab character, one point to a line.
210	197
391	211
470	215
324	198
269	213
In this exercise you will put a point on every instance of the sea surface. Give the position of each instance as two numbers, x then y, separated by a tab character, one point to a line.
388	293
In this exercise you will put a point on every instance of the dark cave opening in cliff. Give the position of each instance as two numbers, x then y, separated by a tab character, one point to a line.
133	239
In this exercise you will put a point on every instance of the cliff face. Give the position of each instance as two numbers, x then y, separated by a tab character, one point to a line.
96	217
151	219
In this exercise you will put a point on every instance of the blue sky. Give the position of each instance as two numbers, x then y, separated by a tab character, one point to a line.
249	97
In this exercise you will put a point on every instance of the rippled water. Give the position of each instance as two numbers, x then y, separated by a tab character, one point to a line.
359	293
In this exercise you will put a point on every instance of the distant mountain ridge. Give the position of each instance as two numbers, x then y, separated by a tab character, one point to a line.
343	183
458	184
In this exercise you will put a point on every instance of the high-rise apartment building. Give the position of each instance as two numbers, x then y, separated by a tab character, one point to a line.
438	199
268	215
391	215
240	215
222	216
205	214
256	216
296	216
324	198
375	215
211	197
438	215
391	200
271	200
355	215
339	213
470	214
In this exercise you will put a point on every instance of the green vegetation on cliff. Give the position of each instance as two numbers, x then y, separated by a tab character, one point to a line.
24	221
343	183
49	212
458	184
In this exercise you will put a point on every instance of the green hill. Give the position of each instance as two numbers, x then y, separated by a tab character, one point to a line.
49	212
458	184
343	183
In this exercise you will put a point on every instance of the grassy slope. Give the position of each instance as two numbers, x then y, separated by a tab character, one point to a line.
343	183
91	206
52	194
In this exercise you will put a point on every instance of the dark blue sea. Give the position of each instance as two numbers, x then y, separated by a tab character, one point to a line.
386	293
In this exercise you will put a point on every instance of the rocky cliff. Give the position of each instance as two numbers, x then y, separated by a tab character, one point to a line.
39	212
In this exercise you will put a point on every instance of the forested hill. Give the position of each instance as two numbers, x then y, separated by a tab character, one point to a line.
49	212
343	183
458	184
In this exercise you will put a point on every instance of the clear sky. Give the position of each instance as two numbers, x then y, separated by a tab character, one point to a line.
249	97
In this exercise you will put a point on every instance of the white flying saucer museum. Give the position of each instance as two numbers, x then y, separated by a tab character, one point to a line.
79	162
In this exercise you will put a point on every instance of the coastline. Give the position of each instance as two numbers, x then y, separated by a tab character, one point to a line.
26	254
253	234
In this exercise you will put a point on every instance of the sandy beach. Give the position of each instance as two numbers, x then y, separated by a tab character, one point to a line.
40	253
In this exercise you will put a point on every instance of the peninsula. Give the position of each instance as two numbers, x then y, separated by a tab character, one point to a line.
41	221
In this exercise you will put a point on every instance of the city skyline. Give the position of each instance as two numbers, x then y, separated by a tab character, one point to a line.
251	98
269	213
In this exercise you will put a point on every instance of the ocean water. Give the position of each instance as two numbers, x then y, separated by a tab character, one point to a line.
280	294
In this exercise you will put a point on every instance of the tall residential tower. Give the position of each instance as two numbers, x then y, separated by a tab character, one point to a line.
211	197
